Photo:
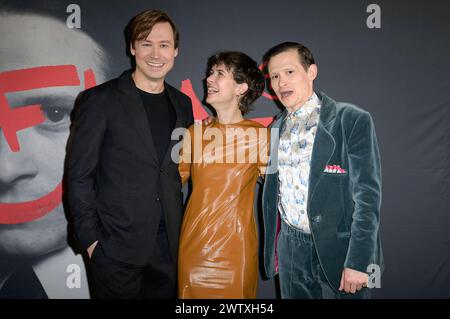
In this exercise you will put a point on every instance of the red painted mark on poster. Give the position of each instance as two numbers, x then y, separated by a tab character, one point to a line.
197	108
14	120
269	96
16	213
20	118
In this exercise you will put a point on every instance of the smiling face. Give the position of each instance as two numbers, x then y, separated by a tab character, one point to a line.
155	55
223	91
292	84
34	170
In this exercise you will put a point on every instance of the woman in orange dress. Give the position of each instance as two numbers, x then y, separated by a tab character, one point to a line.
218	253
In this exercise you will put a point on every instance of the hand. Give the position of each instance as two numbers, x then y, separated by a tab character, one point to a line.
206	121
91	248
353	280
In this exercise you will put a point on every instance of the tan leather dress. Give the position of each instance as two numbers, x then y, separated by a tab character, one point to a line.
218	253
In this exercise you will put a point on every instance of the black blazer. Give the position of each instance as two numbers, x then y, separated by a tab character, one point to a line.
117	187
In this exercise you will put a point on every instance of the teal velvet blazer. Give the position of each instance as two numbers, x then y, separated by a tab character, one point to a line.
343	209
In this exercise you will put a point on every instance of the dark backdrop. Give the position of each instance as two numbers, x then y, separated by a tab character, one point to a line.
400	73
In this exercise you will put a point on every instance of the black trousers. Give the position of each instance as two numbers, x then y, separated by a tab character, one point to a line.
157	279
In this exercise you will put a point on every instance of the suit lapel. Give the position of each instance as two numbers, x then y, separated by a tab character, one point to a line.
271	183
178	122
275	138
175	104
324	144
131	102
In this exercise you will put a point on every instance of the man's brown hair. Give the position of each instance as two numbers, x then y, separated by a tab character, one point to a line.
142	24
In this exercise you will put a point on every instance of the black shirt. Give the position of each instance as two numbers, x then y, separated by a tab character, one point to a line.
161	118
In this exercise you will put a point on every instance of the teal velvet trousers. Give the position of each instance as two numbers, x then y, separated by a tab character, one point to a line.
301	276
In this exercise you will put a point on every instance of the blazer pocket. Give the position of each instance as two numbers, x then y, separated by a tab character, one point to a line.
335	174
95	252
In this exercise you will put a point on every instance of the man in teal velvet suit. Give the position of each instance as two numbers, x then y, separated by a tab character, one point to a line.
321	199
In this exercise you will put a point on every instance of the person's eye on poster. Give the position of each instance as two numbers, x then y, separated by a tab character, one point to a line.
57	114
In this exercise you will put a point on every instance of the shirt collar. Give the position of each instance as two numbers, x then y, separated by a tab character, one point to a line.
306	109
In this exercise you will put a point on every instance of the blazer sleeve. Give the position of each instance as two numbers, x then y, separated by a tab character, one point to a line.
88	134
365	177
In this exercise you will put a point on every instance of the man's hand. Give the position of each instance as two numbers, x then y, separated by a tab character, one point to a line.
205	121
91	248
353	280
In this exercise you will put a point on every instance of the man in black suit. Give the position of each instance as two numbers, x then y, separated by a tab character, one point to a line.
124	188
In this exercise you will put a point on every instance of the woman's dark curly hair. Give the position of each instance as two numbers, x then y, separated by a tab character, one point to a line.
244	70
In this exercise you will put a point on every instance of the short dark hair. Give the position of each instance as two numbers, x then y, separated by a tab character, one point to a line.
244	70
306	57
142	24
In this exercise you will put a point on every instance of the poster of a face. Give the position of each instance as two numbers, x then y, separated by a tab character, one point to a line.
44	65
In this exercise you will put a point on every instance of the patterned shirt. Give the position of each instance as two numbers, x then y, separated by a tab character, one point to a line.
294	162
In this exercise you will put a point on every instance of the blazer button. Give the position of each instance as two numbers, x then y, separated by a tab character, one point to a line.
161	170
157	199
317	219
